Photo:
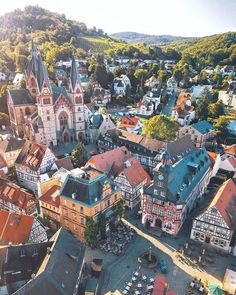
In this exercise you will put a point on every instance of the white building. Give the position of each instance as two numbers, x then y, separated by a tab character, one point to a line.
120	84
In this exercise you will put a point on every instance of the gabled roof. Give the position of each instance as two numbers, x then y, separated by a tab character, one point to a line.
135	173
14	194
57	91
15	228
52	196
11	144
232	162
96	121
31	155
224	201
212	156
110	162
202	127
21	97
60	270
64	163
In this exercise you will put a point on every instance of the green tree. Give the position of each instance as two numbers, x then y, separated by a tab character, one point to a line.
161	127
141	75
216	109
120	209
221	127
90	232
101	75
102	225
79	155
3	99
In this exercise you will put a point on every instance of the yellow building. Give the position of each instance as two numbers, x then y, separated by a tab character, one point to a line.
87	195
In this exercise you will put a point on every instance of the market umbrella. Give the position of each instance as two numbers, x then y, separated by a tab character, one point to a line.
215	289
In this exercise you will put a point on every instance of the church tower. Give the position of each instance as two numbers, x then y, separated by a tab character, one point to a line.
37	82
77	97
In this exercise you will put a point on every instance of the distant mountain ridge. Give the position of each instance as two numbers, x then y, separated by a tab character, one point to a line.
134	37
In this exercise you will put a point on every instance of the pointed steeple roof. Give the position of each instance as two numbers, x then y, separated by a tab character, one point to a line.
74	77
42	76
32	65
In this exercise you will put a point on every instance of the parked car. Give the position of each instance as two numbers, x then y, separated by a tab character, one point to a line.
163	265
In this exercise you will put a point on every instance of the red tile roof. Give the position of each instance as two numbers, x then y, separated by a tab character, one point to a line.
15	228
128	122
111	161
231	150
135	172
224	201
232	161
14	194
212	156
52	196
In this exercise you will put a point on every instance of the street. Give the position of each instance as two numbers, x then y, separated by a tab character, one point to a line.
170	104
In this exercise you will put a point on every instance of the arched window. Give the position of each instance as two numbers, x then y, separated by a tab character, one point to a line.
79	109
63	118
32	82
78	99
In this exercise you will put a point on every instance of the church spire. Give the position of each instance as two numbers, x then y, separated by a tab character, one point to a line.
42	76
74	77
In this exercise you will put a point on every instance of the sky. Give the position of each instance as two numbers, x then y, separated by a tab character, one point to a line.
189	18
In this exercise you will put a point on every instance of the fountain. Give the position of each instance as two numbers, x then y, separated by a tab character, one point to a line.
148	259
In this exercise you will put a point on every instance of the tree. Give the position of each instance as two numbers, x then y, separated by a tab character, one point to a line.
120	209
141	75
102	225
79	155
101	75
221	127
216	109
161	127
202	109
90	232
4	119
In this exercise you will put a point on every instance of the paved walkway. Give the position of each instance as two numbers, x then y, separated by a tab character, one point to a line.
194	272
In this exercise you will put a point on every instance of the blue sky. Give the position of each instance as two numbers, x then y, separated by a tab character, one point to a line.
173	17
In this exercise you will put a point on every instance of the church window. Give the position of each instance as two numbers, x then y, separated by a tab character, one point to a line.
79	119
33	84
78	99
79	109
63	118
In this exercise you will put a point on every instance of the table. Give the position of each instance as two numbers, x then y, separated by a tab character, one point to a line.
139	285
150	287
151	280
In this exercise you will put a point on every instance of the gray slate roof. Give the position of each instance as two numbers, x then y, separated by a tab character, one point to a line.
21	97
203	126
60	269
11	144
74	77
57	91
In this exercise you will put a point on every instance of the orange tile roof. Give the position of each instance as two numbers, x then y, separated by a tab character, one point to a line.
183	97
128	122
15	228
232	161
224	201
135	173
231	150
14	194
52	196
212	156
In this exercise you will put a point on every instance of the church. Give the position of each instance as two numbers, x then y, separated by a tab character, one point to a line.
46	114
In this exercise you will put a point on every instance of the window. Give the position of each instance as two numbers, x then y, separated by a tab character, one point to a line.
115	196
46	101
96	210
48	118
81	209
107	203
75	227
198	224
66	224
169	213
65	203
73	206
63	119
74	216
211	228
65	213
155	192
79	118
79	109
163	194
178	216
160	184
161	212
82	220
